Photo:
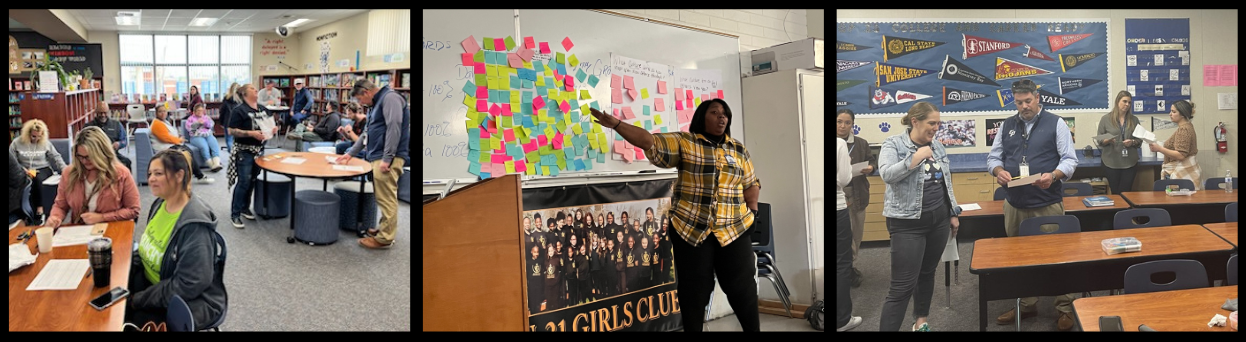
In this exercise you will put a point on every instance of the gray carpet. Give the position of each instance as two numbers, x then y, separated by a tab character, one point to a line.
276	286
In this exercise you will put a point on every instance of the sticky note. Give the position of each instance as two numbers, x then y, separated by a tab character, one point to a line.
579	164
469	88
482	105
615	81
558	144
540	81
469	45
720	94
468	101
648	125
480	68
560	58
698	102
570	83
616	95
640	153
659	104
704	97
688	92
661	87
575	62
565	107
467	60
657	119
514	61
525	54
499	45
510	43
679	105
545	47
585	96
628	82
633	94
495	143
688	104
566	43
644	93
577	129
580	75
639	124
645	109
592	81
627	113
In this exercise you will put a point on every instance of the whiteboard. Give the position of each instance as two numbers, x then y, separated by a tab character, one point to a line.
596	35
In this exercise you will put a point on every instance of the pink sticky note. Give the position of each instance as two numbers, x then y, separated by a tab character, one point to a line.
506	109
705	97
509	134
486	167
545	47
616	112
480	69
640	153
659	104
688	93
618	146
520	166
615	80
570	81
557	144
529	147
537	103
499	44
514	60
661	87
566	43
541	140
528	42
627	113
470	46
634	94
688	104
569	86
499	170
678	93
558	76
566	107
492	127
500	158
494	109
627	82
482	92
482	105
484	134
467	59
526	54
679	105
720	94
616	95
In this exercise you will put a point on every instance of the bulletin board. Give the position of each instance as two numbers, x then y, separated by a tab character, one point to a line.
967	67
1157	63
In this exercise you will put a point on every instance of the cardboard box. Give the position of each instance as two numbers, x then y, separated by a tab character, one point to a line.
801	54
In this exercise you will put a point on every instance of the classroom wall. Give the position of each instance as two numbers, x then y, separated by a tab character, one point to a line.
1213	40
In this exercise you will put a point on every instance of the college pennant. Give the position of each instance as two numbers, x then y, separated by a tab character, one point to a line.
894	47
888	73
1031	52
1005	95
1072	61
1071	84
1006	69
842	65
1062	41
841	46
840	85
977	46
1047	98
839	103
881	98
954	96
957	71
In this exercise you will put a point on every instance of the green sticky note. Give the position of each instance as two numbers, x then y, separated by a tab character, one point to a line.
506	122
577	130
484	157
479	57
481	79
644	93
575	62
510	43
585	96
562	126
488	43
534	157
560	58
657	119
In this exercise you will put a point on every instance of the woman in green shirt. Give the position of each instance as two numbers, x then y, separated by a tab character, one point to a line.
178	252
1120	148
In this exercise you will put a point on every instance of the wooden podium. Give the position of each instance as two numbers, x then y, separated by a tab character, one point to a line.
473	259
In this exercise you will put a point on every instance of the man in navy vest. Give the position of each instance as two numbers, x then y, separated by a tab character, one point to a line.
1033	142
386	141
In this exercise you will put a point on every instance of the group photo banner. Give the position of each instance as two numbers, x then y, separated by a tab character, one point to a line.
967	67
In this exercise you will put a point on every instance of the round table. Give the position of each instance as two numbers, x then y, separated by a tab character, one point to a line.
315	166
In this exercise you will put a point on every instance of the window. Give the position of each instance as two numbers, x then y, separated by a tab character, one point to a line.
170	64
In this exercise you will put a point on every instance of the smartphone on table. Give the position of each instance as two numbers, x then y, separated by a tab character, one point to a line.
108	299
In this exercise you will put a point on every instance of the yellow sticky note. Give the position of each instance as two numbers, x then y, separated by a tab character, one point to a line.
548	71
593	143
544	170
470	101
697	101
584	110
515	96
575	62
540	81
657	119
596	127
495	143
530	171
584	95
504	82
549	132
510	166
577	129
527	65
491	70
644	93
558	83
638	124
566	140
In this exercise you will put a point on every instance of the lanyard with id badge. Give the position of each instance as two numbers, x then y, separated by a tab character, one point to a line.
1025	135
1124	148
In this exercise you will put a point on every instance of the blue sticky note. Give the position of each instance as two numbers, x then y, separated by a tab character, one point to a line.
562	69
586	126
646	109
527	120
475	167
575	104
527	74
570	152
601	158
588	165
485	175
617	136
493	96
579	165
537	65
579	150
527	84
592	82
489	58
594	105
553	171
592	154
580	75
663	129
648	125
469	88
514	81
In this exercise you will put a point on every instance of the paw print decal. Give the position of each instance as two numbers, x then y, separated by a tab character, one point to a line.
885	126
856	129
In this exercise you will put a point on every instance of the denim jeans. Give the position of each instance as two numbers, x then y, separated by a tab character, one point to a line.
247	171
916	247
343	146
207	146
229	142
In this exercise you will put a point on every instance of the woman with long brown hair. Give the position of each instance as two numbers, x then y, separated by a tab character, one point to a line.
1119	147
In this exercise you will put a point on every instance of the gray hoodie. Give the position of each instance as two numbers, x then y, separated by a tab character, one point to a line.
190	268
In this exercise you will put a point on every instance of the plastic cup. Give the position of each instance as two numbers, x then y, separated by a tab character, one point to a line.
44	236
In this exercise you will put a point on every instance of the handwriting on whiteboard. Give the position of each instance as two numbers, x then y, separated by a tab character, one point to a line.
698	84
437	45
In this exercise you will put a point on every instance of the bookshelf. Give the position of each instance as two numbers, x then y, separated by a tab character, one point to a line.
335	87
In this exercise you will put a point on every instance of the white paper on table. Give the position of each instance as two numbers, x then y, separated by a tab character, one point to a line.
60	274
266	126
856	168
72	235
14	225
1142	133
19	256
295	161
1226	100
331	159
348	168
970	206
1025	181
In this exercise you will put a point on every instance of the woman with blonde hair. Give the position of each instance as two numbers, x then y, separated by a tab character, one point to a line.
96	187
1120	156
228	103
39	158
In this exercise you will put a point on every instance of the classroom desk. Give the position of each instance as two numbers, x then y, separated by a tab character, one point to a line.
68	310
989	221
1056	264
1225	230
1202	207
1183	310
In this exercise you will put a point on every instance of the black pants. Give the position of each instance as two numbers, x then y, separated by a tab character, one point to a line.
916	246
36	189
843	268
1120	180
736	266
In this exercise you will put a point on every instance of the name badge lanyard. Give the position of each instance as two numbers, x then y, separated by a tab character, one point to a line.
1124	148
1025	134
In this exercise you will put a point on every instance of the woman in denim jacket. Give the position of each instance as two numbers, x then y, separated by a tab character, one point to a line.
920	208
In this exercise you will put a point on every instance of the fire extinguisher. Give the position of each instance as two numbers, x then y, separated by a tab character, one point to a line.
1222	144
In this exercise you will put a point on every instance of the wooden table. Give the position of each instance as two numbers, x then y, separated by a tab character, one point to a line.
1184	310
314	167
992	215
1205	206
68	310
1226	231
1056	264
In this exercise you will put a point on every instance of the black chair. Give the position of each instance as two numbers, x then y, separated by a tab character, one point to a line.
1124	219
1215	182
1231	271
178	317
1190	275
1001	193
763	247
1033	226
1162	184
27	209
1081	189
1230	211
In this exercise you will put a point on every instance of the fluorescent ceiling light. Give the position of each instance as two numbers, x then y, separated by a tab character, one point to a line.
296	23
128	18
203	21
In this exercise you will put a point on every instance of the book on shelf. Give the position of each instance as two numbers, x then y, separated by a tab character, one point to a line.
406	80
331	81
1098	201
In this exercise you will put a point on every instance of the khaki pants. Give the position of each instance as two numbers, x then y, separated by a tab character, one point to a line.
858	226
386	186
1012	223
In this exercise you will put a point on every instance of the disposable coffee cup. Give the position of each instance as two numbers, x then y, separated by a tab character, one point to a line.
99	251
44	237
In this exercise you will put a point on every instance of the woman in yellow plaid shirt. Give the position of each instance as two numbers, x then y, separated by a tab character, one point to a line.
715	195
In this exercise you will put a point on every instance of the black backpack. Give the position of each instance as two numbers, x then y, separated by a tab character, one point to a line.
814	315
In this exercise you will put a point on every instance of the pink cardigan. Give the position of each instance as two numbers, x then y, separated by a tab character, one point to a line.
118	202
